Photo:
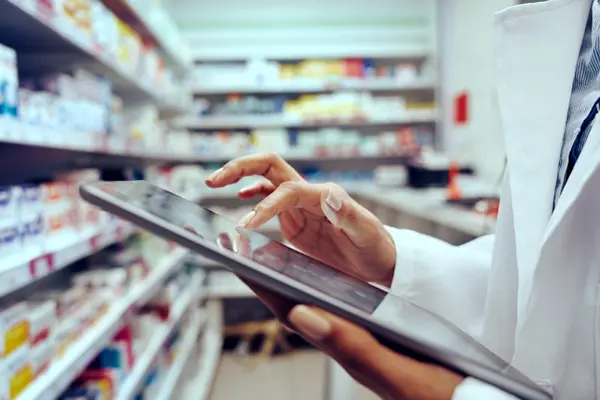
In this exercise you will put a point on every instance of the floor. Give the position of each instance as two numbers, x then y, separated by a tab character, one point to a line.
297	376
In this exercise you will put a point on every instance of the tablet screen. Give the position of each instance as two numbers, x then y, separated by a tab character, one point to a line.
401	315
253	245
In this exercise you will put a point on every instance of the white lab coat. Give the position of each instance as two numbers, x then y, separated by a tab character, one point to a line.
529	292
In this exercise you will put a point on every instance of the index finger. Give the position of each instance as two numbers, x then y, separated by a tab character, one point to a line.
268	165
286	196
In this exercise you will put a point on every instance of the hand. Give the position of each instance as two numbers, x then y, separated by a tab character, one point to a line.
321	220
390	375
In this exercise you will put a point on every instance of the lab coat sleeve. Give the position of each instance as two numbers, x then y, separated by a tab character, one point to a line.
472	389
447	280
450	281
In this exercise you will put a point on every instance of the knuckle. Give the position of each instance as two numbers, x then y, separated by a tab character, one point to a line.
273	157
334	187
262	207
289	186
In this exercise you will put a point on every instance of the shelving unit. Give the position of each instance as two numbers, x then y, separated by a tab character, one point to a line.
184	351
23	25
64	370
150	28
45	46
136	377
282	121
315	86
67	72
201	385
24	269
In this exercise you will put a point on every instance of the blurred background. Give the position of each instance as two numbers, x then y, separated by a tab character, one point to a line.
392	99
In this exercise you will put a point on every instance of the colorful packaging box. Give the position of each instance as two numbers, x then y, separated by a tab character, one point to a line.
14	328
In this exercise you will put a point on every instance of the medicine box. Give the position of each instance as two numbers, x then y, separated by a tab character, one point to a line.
9	82
16	373
14	327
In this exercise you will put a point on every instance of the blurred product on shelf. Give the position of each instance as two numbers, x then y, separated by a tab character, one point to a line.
431	169
72	108
109	371
164	30
116	48
261	72
40	218
77	108
91	24
9	82
324	142
39	328
185	180
390	176
145	128
314	108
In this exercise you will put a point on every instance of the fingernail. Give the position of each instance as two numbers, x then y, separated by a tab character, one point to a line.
246	219
215	174
309	323
334	201
330	213
247	188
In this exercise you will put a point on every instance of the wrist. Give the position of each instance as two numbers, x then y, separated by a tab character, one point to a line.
431	382
388	260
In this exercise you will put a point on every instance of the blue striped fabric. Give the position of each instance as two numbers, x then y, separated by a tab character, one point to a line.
585	93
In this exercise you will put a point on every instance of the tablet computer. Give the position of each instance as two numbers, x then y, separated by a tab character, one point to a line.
411	330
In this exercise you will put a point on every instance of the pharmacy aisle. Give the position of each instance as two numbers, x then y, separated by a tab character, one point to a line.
91	307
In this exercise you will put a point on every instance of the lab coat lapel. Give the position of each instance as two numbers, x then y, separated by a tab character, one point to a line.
567	273
536	53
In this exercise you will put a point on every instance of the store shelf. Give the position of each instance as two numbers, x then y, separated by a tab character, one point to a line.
135	379
367	161
47	149
184	351
63	371
429	205
316	86
280	121
23	269
224	284
283	52
149	29
45	45
212	342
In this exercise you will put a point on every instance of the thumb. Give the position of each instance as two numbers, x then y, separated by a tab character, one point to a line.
359	353
344	213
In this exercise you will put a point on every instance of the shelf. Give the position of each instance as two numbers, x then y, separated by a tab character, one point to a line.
43	45
224	284
184	351
212	342
63	371
428	205
316	86
135	380
148	29
282	121
300	160
49	150
22	269
284	52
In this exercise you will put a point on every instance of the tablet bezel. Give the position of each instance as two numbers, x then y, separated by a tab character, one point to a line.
402	342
